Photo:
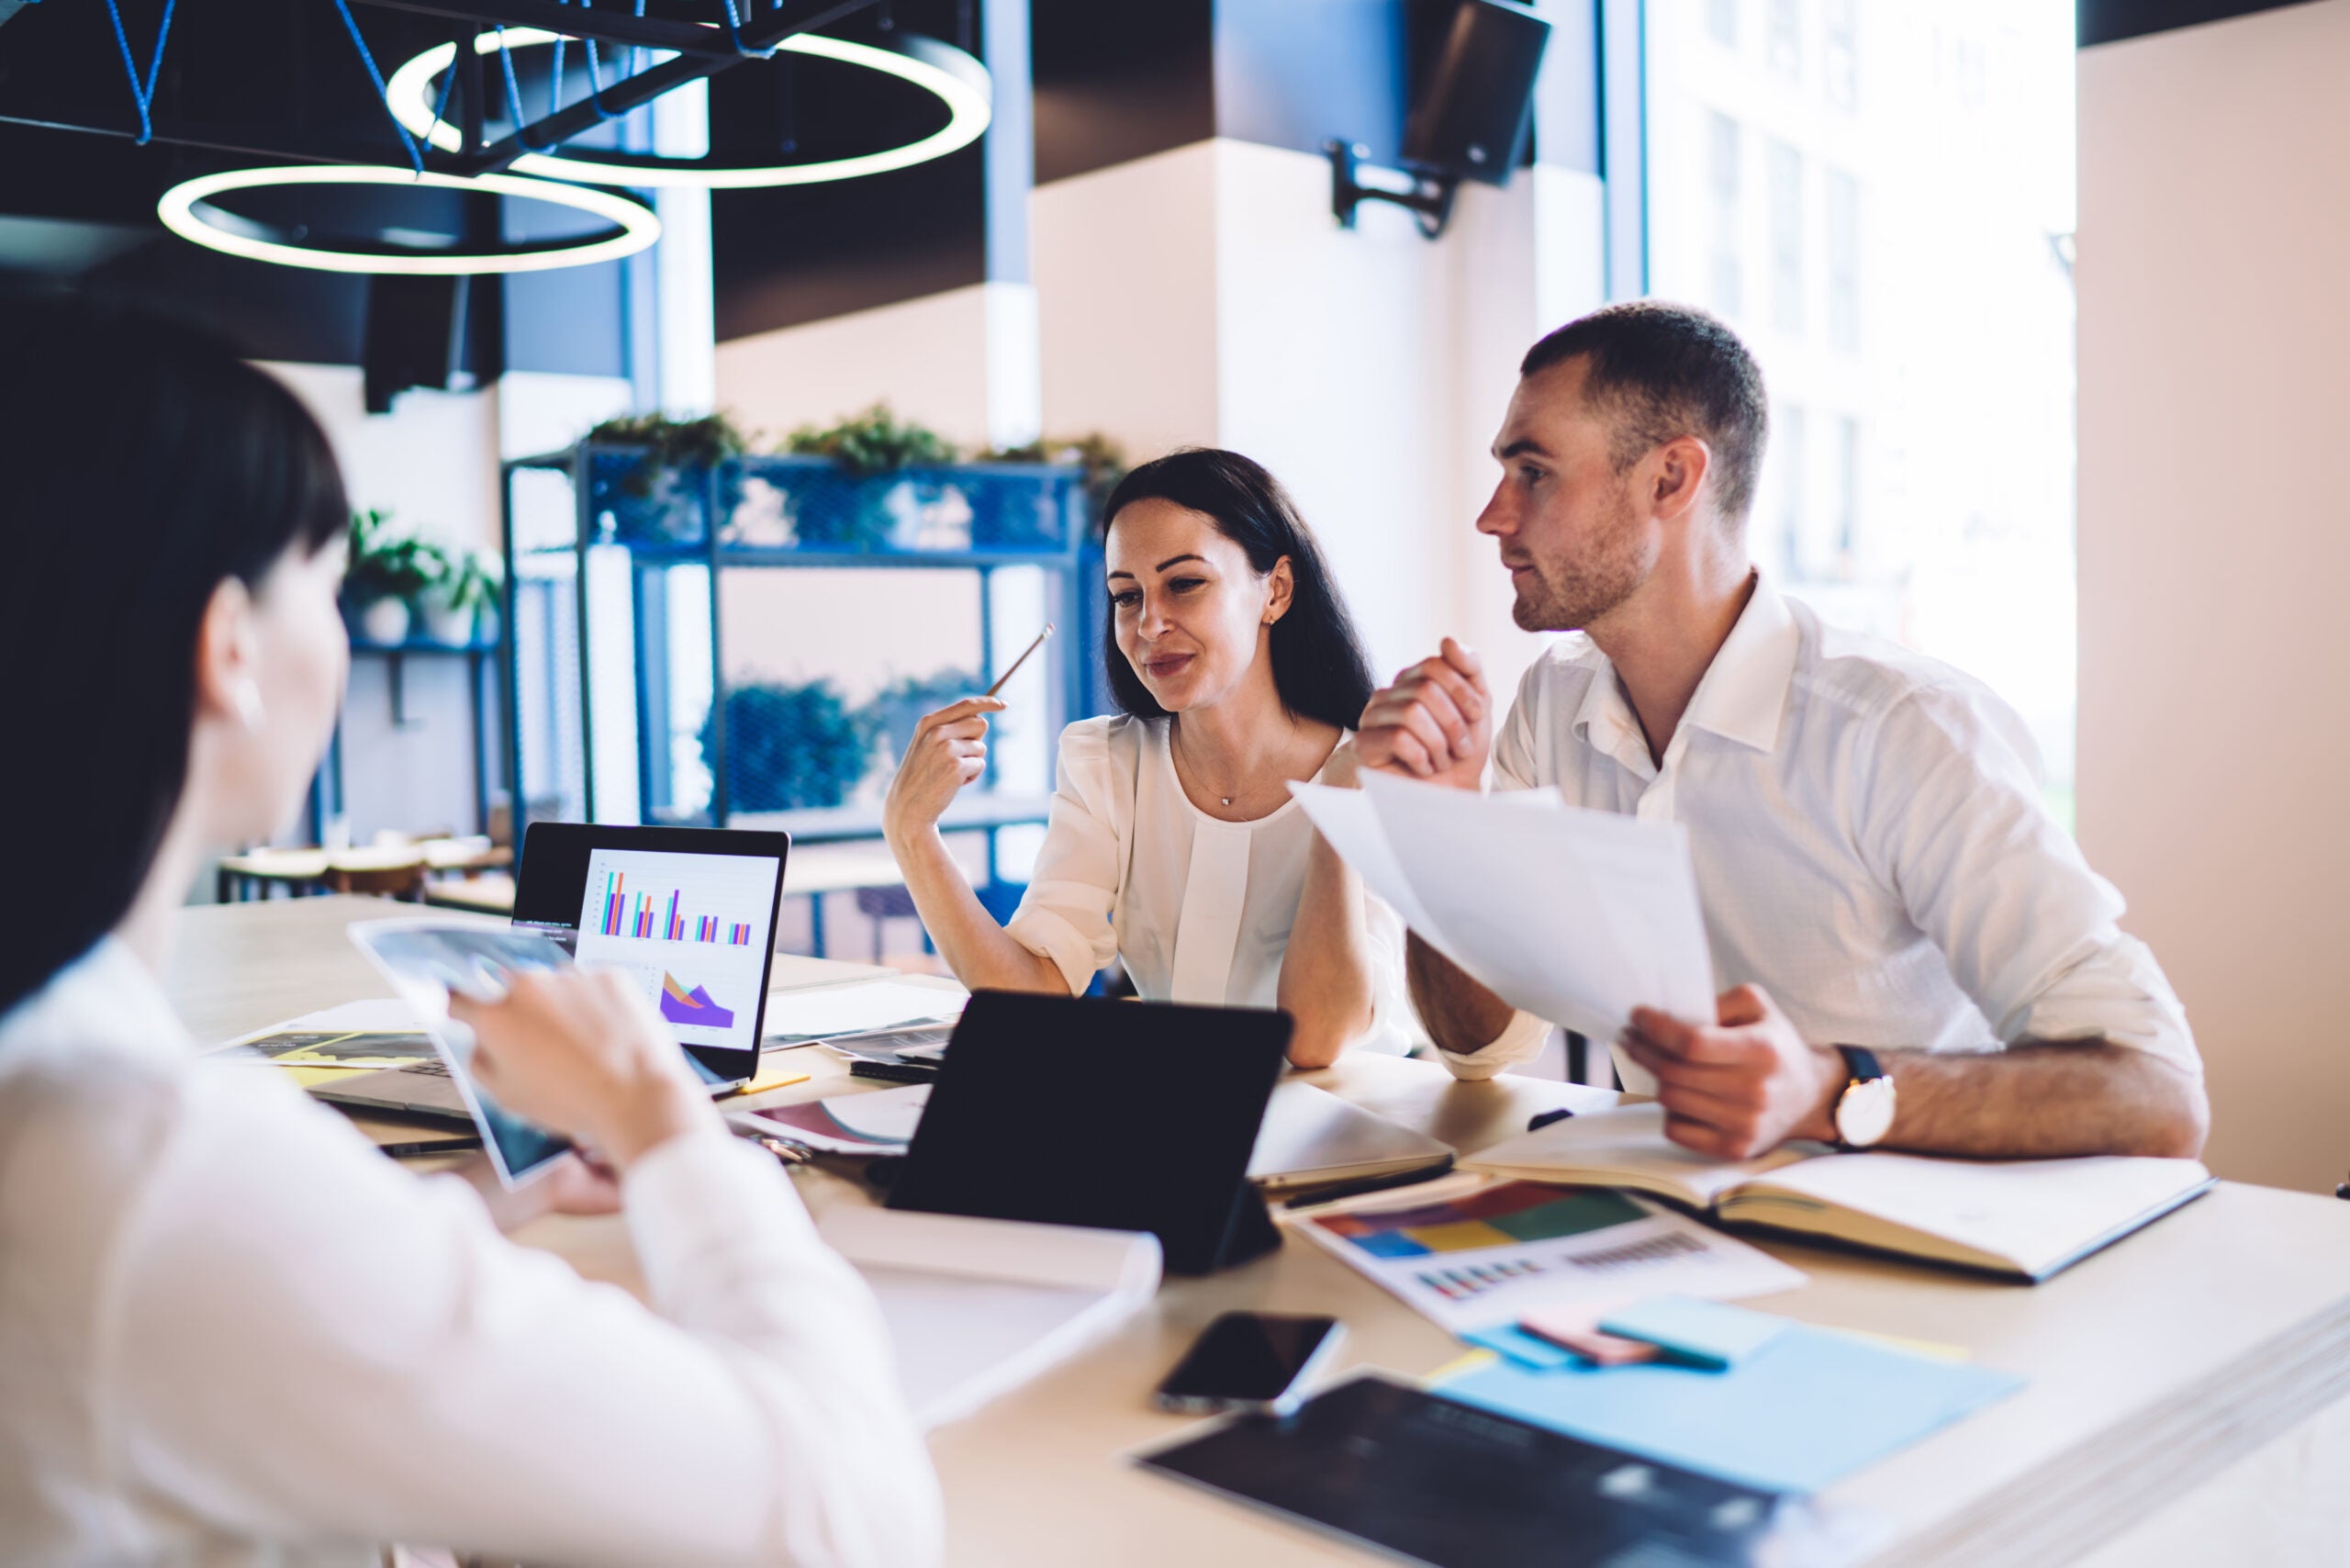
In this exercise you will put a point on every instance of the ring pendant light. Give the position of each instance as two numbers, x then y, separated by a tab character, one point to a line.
956	79
187	211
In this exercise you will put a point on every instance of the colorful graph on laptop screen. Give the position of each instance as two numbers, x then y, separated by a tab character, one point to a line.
691	931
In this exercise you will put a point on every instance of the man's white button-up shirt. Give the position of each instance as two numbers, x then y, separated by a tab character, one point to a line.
1869	843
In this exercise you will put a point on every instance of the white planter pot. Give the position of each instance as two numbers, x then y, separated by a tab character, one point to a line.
385	620
452	627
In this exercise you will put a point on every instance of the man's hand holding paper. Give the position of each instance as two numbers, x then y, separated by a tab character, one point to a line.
1741	1087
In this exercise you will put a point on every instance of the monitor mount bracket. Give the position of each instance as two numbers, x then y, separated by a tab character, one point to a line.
1429	197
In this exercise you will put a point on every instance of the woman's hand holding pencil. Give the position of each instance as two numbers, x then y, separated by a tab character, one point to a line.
949	749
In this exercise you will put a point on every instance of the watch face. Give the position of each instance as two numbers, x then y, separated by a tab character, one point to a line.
1864	1112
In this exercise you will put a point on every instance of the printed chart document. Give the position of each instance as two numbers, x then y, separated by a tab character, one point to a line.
976	1307
1491	1257
796	1017
1575	915
2028	1219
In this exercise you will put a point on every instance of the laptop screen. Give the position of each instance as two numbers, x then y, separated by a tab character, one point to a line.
688	915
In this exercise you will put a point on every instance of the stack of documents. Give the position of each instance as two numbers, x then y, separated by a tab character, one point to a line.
1573	915
976	1307
797	1017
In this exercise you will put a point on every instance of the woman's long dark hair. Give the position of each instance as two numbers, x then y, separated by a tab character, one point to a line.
141	464
1318	663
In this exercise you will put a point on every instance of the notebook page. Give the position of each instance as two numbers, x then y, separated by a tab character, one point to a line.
1620	1148
2035	1213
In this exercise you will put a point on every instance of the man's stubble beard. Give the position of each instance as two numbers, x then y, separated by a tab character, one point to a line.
1569	595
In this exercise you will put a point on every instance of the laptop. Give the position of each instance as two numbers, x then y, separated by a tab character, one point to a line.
687	914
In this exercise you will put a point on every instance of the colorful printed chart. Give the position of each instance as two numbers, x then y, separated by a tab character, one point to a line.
1487	1256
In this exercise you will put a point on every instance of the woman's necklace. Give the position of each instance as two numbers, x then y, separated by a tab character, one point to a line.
1221	800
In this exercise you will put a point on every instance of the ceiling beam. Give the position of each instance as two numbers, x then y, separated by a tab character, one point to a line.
642	88
245	140
605	27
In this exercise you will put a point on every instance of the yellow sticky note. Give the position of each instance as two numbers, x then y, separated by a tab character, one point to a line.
782	1078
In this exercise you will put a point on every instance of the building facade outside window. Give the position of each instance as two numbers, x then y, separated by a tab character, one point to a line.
1843	213
1786	239
1935	506
1839	61
1728	290
1785	45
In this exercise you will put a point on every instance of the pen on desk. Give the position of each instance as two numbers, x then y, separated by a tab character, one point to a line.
430	1147
1371	1184
1022	659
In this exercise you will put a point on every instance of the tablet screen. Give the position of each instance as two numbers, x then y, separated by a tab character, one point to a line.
425	961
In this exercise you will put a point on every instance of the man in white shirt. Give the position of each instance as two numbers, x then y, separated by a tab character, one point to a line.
1917	955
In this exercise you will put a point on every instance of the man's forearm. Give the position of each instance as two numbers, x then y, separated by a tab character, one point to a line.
2042	1100
1461	1015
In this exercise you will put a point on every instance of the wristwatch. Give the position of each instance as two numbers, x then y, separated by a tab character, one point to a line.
1865	1110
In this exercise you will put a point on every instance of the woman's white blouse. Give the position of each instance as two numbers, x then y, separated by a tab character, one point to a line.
1199	910
233	1333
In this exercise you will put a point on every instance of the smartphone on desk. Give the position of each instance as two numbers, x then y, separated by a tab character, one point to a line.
1256	1361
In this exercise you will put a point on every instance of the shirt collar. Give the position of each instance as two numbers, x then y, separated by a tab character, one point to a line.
1744	693
1742	696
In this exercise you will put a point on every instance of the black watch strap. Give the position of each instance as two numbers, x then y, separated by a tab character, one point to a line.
1861	1062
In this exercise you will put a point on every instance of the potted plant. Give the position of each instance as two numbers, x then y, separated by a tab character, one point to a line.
387	574
790	746
655	498
860	512
1009	514
461	604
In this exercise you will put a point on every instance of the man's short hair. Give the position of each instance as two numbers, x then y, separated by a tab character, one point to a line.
1661	371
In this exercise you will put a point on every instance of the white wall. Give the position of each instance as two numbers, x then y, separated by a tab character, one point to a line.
2214	546
1124	260
961	362
432	463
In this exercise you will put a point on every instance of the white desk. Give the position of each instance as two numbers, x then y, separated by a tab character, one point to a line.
2153	1366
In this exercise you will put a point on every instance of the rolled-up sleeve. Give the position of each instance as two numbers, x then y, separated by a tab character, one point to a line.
1066	915
1952	816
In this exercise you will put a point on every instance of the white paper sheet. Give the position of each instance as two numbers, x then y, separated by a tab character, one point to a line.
378	1016
794	1016
979	1306
1347	819
1577	916
882	1114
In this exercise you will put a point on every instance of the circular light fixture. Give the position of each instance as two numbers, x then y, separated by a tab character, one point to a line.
953	77
186	210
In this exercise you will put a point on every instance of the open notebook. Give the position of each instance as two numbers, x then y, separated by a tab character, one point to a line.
2020	1217
976	1307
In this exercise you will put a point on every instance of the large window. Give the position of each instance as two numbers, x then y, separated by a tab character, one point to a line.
1728	290
1786	239
1899	272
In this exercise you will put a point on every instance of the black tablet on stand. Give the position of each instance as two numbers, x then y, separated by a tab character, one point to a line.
1128	1115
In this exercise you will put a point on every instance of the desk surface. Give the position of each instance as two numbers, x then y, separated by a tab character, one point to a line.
2151	1366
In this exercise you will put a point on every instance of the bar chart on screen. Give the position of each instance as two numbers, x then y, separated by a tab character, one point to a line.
690	933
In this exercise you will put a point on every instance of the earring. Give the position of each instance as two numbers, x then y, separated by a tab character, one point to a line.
246	696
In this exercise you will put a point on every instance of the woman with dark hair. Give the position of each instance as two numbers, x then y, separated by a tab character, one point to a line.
1174	842
229	1330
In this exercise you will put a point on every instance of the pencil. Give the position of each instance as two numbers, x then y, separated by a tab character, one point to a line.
1022	659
